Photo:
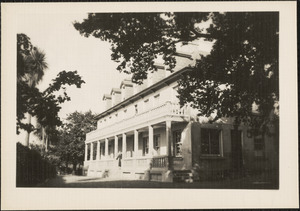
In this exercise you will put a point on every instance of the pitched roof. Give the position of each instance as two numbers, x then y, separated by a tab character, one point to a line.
160	84
115	90
106	96
126	82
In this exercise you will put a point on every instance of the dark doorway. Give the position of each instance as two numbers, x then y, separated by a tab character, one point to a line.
236	150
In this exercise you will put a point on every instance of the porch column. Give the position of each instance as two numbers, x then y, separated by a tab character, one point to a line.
150	129
106	148
98	150
85	152
116	146
169	142
136	142
92	151
124	147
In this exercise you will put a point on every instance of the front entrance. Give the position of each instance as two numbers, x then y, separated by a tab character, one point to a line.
236	150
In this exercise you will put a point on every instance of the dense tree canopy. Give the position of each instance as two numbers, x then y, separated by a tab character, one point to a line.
244	60
241	69
72	136
44	105
31	66
138	38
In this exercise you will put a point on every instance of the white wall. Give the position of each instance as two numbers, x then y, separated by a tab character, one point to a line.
165	94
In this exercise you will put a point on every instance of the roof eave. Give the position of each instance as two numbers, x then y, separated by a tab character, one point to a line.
143	93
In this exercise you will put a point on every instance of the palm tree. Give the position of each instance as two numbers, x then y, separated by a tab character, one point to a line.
43	133
35	65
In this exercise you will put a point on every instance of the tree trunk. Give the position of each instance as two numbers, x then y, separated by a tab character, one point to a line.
74	168
43	138
67	167
28	132
46	146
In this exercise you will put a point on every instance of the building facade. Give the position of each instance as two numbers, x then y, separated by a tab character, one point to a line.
145	134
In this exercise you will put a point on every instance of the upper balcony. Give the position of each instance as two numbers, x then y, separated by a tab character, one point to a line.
153	115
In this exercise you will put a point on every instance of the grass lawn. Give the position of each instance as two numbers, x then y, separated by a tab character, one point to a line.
72	181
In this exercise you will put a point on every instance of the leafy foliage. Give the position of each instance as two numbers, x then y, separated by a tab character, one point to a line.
72	136
241	69
32	167
138	38
44	105
24	47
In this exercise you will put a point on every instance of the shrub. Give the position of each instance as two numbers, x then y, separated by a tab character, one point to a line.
32	168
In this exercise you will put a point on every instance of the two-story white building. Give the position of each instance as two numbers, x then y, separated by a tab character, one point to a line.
161	141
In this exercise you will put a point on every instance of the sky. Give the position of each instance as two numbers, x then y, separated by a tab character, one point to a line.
66	49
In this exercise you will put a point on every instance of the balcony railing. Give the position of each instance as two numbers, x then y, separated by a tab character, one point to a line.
136	163
101	164
160	162
167	108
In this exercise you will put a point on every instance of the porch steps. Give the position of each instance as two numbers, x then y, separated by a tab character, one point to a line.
115	173
183	176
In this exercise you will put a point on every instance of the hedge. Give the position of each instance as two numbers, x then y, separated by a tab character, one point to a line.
32	168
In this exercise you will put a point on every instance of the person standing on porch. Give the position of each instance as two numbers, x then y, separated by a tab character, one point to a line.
119	157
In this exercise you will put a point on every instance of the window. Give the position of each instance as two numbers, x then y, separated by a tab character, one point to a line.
157	142
123	93
136	109
156	99
145	145
259	146
210	142
177	143
146	104
124	113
